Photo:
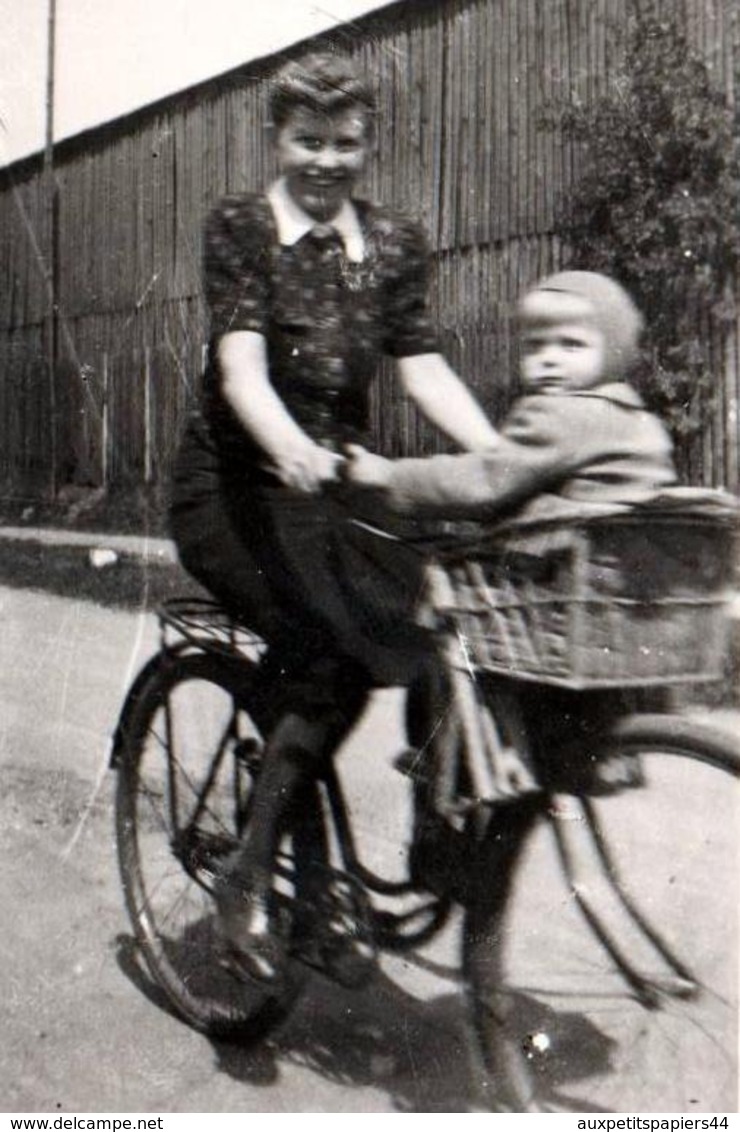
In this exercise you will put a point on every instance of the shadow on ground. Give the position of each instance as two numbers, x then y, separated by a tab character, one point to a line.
415	1052
127	583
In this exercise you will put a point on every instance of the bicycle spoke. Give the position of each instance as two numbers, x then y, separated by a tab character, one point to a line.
180	804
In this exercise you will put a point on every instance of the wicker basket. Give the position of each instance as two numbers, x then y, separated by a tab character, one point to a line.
629	599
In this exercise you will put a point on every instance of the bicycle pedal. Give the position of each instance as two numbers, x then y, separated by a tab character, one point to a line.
457	814
411	764
349	962
345	938
347	959
249	753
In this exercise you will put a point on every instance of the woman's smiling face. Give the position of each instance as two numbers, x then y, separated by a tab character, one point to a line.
321	156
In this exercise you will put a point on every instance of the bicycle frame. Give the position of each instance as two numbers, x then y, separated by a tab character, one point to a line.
499	773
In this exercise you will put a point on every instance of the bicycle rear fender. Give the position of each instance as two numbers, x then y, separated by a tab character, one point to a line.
151	669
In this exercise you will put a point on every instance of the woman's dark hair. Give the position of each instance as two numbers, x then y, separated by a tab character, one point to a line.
322	82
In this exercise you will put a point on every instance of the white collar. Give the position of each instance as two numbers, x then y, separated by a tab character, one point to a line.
293	223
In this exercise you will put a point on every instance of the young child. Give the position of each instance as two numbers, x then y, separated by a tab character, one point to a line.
579	435
579	432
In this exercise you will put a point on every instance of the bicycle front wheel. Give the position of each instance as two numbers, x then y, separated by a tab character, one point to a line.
188	752
616	989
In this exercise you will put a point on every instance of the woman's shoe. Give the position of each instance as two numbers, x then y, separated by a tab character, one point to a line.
255	949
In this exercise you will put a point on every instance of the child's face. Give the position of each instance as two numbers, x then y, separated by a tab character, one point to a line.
562	357
321	156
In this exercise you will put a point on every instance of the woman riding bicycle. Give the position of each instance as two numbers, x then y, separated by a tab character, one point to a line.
307	288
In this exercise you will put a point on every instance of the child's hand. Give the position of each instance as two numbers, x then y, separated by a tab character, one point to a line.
365	468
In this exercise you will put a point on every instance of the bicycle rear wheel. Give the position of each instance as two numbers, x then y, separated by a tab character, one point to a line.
188	753
553	1013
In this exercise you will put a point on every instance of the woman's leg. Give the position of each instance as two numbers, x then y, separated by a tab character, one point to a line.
294	755
226	561
228	555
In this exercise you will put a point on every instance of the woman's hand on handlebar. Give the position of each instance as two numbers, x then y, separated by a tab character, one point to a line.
307	469
311	468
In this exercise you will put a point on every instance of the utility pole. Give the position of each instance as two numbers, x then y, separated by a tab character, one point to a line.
50	249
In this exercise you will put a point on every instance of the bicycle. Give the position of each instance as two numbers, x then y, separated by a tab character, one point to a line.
657	963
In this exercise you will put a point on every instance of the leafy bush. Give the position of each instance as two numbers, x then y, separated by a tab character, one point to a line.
656	206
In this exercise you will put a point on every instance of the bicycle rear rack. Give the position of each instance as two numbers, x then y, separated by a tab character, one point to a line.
205	625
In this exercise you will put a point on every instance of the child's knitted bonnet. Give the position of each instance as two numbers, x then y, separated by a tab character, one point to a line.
612	311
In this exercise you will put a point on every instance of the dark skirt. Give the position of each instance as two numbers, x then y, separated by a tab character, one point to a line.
306	572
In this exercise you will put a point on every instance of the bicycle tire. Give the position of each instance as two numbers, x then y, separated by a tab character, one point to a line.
556	1026
185	720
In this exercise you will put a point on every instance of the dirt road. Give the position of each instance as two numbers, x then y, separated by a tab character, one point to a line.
85	1030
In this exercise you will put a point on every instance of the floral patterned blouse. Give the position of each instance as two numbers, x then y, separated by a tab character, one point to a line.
324	339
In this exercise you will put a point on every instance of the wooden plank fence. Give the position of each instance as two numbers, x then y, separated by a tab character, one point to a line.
461	85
